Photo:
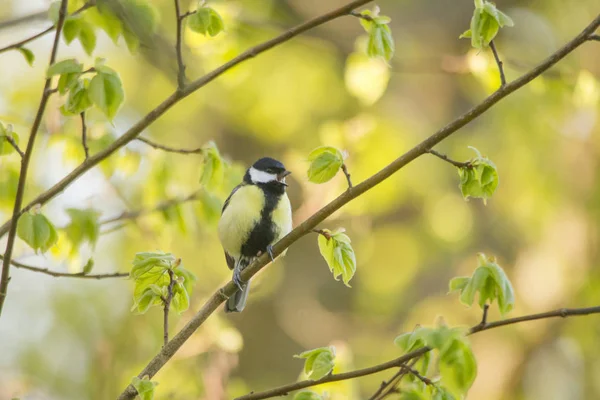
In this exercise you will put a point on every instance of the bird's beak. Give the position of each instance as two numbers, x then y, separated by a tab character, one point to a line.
281	177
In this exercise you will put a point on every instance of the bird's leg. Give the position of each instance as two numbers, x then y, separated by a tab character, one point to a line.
237	276
270	251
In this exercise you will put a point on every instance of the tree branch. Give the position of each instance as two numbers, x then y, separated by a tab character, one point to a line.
66	274
174	98
168	148
224	292
21	43
86	149
5	277
398	362
23	19
595	37
444	157
180	64
14	144
130	215
499	63
167	305
347	174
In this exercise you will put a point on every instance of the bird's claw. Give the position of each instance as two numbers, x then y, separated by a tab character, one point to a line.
270	251
237	279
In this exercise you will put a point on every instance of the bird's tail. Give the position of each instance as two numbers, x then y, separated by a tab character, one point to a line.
237	302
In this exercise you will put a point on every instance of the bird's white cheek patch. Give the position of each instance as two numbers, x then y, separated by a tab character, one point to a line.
261	176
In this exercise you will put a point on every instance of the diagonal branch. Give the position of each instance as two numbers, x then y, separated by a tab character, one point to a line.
444	157
177	96
224	292
400	361
5	277
22	43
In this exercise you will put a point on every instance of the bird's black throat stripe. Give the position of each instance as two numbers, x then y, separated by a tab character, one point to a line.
265	231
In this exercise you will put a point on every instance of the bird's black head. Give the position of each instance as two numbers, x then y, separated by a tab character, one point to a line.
268	173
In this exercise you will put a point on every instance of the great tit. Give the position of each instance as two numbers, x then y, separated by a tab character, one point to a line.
255	216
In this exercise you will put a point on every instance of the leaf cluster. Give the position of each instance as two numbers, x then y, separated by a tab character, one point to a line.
490	280
479	178
381	41
319	362
151	273
336	249
206	21
485	24
104	89
456	361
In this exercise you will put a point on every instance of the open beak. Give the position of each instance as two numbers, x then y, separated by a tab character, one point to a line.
281	177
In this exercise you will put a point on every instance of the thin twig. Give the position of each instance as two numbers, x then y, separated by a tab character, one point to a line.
219	296
187	14
322	232
132	215
21	43
86	150
66	274
444	157
180	64
595	37
168	148
347	174
361	15
12	234
393	381
499	63
398	362
167	306
14	144
416	373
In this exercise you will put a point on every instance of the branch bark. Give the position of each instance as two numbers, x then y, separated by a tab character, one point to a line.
180	64
178	95
444	157
399	362
5	277
169	149
499	63
66	274
167	307
22	43
224	292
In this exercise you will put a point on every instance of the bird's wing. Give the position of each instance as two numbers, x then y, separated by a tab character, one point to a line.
235	189
230	260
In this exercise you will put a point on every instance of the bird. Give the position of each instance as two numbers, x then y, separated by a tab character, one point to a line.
256	215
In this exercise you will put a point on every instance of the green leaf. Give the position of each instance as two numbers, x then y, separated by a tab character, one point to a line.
78	100
206	21
37	231
84	227
213	167
106	92
325	162
71	29
381	41
441	393
89	265
319	362
53	11
5	146
65	66
307	395
67	81
458	366
150	272
485	24
102	17
145	387
28	54
479	179
87	37
490	281
336	249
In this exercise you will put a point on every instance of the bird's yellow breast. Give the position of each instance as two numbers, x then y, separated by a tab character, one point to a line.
240	216
282	217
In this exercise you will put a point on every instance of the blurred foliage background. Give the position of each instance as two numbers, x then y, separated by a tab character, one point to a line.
63	338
